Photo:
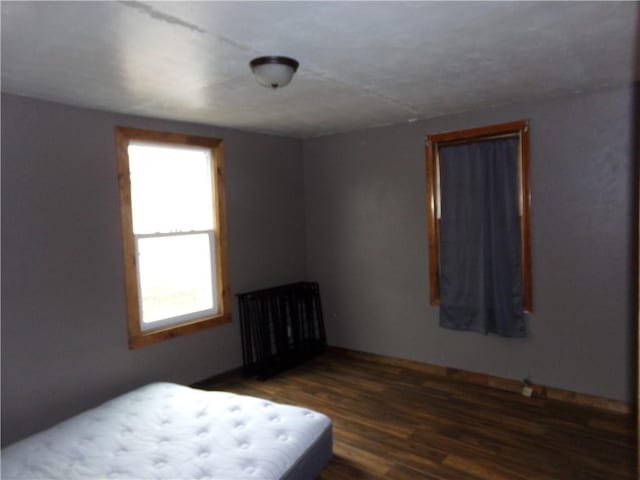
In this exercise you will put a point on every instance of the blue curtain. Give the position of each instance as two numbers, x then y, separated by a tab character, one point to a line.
480	259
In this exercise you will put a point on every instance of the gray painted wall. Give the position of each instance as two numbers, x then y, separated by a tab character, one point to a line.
64	341
367	245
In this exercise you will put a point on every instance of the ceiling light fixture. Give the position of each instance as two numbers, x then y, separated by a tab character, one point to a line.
273	71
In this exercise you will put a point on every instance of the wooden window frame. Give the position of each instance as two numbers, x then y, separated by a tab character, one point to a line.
519	129
137	337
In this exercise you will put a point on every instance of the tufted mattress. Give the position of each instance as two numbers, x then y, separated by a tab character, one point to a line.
166	431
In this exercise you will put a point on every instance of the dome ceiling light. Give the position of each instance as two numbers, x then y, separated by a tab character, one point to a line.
273	71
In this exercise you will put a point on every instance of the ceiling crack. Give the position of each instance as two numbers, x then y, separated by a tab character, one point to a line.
165	17
158	15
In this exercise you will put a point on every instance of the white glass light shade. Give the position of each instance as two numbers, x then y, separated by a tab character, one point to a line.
273	72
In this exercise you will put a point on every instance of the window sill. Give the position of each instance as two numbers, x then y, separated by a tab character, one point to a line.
139	339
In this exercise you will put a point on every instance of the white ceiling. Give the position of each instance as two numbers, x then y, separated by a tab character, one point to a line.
361	64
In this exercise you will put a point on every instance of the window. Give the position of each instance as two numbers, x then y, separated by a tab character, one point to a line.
517	133
173	234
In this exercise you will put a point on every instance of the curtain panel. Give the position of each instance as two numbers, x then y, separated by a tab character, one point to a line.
480	258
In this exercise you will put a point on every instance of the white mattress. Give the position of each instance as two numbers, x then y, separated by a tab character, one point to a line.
167	431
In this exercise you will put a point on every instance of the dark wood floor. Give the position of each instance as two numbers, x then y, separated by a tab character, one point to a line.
392	422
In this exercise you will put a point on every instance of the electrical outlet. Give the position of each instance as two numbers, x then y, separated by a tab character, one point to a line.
527	387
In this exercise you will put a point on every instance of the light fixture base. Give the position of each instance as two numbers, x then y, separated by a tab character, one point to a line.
273	71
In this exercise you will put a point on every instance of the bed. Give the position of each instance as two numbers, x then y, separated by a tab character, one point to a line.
167	431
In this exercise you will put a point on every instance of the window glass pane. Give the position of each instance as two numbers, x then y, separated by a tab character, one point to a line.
175	276
170	188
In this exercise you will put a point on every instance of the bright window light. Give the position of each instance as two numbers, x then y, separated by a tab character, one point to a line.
170	188
173	227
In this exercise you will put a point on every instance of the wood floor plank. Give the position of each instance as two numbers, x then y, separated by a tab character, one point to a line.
401	421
